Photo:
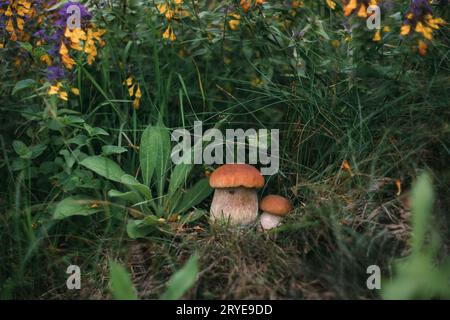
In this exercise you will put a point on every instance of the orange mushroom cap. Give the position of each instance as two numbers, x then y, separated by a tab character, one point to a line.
276	205
233	175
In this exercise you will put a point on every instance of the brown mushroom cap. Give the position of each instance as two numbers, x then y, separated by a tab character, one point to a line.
276	205
233	175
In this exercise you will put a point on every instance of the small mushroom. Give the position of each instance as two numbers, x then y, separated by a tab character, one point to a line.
235	199
274	208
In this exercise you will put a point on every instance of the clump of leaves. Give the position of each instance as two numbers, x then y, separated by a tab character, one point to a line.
162	193
121	286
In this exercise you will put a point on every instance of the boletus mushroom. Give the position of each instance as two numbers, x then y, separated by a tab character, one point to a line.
235	200
274	209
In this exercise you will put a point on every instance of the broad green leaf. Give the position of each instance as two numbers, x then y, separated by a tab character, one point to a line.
193	216
178	178
199	192
23	84
120	283
154	154
108	150
182	280
141	228
422	202
22	150
75	206
133	184
27	46
37	150
104	167
131	196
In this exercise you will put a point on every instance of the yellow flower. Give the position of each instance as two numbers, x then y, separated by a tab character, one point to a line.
129	81
10	26
386	29
422	48
169	34
331	4
63	95
377	36
427	32
66	59
20	22
75	36
165	10
398	184
46	59
54	89
434	23
138	93
349	7
245	4
8	11
346	166
75	91
2	45
136	104
233	24
362	12
405	30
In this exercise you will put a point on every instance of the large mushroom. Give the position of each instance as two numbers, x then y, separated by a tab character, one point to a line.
235	199
274	208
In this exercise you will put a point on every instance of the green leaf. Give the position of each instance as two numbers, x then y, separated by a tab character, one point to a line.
23	84
179	177
108	150
37	150
133	184
141	228
74	206
199	192
104	167
182	280
193	216
27	46
131	196
22	150
154	154
422	202
120	283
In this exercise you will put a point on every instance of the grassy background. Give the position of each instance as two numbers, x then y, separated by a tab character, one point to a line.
380	106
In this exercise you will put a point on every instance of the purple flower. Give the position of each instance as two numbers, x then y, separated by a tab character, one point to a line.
64	14
55	73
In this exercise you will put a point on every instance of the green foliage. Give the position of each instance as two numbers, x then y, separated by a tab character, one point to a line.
182	280
122	288
74	206
120	283
421	275
171	199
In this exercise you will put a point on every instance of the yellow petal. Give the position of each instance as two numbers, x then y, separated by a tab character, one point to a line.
377	36
75	91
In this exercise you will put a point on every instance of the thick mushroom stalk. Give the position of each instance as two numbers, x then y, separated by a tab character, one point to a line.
235	205
269	221
274	209
235	199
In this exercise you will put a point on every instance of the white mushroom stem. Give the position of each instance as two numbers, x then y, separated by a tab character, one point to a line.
269	221
234	205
